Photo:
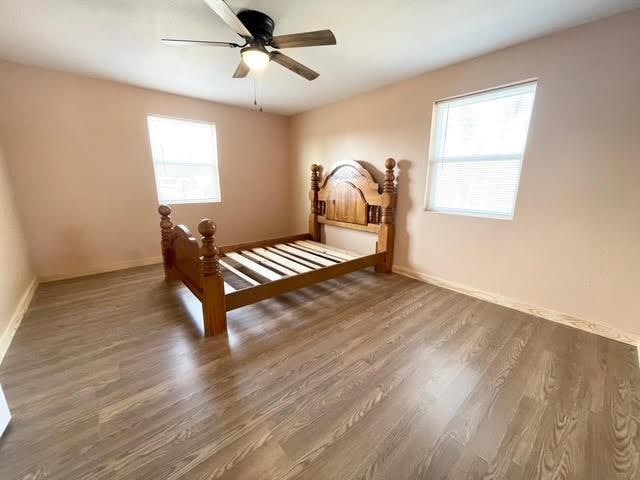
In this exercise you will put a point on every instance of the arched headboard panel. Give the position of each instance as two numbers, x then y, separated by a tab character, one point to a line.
349	197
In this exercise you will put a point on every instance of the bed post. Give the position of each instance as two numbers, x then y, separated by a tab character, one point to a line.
213	302
386	234
166	231
314	225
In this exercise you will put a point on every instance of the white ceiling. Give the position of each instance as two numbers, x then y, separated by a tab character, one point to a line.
379	41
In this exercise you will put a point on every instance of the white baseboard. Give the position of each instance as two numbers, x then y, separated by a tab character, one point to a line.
96	269
16	318
546	313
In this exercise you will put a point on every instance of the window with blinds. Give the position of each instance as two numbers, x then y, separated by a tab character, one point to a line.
185	160
478	143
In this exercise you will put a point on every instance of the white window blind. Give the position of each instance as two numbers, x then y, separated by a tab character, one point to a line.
477	148
185	160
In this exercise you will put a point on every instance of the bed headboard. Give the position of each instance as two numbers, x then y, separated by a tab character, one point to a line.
348	197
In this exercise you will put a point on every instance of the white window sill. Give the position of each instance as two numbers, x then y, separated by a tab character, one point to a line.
462	213
188	202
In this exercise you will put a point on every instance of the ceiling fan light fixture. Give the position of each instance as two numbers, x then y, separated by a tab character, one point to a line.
255	58
256	30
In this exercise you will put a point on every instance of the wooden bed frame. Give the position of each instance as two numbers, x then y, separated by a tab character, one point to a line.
347	197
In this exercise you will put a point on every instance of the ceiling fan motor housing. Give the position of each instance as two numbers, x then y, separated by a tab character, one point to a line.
259	24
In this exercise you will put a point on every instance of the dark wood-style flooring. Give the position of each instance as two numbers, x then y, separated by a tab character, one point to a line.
361	377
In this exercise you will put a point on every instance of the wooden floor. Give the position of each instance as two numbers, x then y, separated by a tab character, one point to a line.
364	376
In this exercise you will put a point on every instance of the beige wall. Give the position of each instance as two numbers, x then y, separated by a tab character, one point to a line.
81	168
574	244
15	271
78	157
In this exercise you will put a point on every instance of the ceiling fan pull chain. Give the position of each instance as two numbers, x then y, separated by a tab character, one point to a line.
255	94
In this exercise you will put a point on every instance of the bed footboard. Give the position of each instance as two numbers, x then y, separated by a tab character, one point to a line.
197	267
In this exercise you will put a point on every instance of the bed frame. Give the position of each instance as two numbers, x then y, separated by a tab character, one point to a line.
347	197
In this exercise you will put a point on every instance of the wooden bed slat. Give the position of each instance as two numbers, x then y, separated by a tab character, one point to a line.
326	250
267	263
326	255
261	292
293	258
346	254
262	243
237	272
304	254
297	267
256	267
234	281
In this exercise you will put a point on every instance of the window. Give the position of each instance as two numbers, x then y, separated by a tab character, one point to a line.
477	145
185	160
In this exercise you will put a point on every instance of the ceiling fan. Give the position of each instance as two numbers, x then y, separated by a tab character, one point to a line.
256	29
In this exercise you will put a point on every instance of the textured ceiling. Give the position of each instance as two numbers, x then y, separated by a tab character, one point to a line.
379	41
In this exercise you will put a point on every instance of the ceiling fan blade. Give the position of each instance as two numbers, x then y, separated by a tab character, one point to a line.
241	71
306	39
177	41
225	13
295	67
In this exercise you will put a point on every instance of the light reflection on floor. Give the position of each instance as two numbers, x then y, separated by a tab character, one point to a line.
193	308
189	347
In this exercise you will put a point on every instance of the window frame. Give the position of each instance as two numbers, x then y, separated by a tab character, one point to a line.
432	147
216	165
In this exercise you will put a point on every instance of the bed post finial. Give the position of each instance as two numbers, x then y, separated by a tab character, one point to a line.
386	235
314	225
209	250
213	301
166	232
388	191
